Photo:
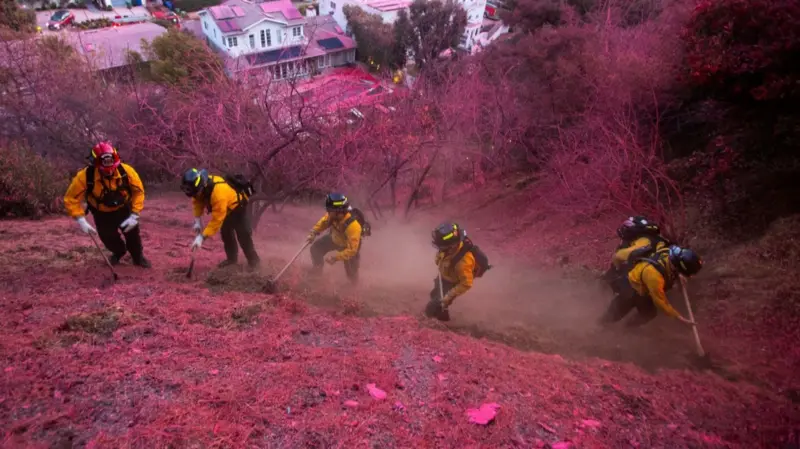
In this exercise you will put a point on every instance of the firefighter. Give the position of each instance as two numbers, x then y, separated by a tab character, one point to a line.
640	237
114	194
647	284
228	207
344	237
458	267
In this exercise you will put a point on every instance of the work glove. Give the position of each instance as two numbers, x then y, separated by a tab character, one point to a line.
447	300
85	226
131	222
198	225
331	259
198	242
311	237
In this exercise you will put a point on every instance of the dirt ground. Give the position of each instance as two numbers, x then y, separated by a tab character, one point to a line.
158	360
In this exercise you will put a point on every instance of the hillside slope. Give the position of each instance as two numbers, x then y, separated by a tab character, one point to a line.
160	361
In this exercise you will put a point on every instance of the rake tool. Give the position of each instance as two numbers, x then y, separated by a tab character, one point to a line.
704	359
191	265
114	275
272	284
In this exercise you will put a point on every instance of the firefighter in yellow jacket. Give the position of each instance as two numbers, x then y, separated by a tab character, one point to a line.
229	215
647	284
640	237
456	278
344	237
114	194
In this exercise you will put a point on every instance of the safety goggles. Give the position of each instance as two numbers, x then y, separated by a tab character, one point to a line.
107	160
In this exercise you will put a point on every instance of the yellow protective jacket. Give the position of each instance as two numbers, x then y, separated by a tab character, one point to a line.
76	192
349	240
462	274
622	255
223	200
647	281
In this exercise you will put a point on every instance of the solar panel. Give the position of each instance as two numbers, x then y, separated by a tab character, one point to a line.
238	11
331	43
338	29
222	12
291	13
233	25
224	26
277	55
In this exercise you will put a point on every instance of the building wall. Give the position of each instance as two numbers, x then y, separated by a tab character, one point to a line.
474	9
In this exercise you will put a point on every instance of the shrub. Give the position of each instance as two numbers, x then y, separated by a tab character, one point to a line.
745	50
30	185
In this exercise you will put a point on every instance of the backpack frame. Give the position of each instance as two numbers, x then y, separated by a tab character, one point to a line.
357	215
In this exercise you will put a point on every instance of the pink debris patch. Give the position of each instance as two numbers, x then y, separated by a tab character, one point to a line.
437	359
399	406
214	372
442	377
591	423
483	415
351	404
561	445
376	392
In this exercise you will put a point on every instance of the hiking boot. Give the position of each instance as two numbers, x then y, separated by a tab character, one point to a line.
433	309
114	259
227	263
142	262
254	266
444	315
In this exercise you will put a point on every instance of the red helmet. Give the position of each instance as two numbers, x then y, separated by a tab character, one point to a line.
105	158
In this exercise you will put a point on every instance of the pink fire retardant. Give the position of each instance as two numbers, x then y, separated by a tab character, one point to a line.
483	415
376	392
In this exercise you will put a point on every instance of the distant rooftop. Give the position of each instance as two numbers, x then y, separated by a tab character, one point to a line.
235	16
388	5
108	47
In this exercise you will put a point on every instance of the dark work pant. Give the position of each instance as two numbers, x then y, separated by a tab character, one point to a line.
323	246
626	300
446	287
237	225
110	234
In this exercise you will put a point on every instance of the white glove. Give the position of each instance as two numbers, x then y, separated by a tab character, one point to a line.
130	223
198	242
85	226
198	226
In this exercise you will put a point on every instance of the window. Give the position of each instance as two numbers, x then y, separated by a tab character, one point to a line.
252	41
215	32
266	39
333	7
269	39
205	24
232	42
296	31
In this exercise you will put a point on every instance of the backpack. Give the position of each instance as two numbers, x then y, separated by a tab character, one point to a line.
654	261
357	215
481	260
125	183
240	184
650	250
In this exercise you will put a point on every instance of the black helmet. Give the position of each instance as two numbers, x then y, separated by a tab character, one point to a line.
447	234
337	202
686	261
637	226
194	181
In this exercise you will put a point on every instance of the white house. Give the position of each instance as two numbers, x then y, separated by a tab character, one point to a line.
388	10
275	37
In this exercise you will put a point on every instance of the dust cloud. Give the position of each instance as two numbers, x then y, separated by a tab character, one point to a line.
512	303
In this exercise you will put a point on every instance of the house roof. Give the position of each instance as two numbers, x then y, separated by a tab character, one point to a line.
324	37
388	5
108	47
235	16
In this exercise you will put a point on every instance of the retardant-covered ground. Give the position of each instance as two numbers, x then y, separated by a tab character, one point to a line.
157	360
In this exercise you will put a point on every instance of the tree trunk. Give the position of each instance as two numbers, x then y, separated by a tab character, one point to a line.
414	195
